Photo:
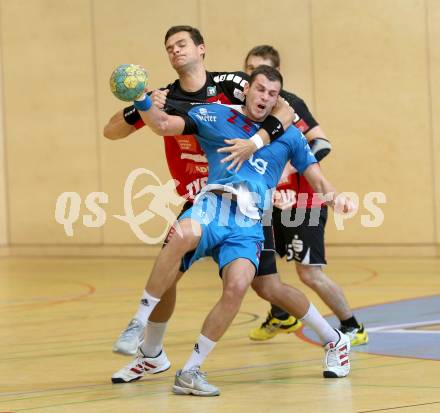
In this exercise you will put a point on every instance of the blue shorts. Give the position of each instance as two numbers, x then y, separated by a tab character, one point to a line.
226	233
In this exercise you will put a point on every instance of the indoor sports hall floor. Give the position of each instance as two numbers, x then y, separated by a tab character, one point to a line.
59	318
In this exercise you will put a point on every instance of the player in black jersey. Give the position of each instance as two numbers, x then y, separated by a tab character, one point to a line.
302	243
186	161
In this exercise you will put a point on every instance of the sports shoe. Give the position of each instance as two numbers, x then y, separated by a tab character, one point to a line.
358	336
337	361
193	381
130	339
140	366
273	326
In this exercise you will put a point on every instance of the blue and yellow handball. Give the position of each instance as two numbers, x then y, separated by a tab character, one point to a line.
128	82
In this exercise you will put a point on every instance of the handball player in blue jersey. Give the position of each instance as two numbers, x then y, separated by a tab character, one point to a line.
233	234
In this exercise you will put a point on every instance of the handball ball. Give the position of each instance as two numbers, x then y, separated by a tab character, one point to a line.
128	82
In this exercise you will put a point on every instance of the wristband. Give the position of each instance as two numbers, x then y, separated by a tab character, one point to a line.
131	115
257	140
143	105
273	127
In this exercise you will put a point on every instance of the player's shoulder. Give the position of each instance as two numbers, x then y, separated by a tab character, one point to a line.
238	77
292	98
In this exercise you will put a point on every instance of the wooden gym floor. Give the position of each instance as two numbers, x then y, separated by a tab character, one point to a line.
59	318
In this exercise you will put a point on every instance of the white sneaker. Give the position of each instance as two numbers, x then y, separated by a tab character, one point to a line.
193	381
130	339
337	361
140	366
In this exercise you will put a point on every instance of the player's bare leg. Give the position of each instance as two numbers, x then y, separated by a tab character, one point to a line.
150	357
331	293
336	344
166	268
270	288
237	276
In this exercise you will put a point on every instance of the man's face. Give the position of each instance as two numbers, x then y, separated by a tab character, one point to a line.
254	61
182	51
261	97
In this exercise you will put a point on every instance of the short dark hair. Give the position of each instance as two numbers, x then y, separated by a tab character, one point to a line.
194	33
266	52
270	72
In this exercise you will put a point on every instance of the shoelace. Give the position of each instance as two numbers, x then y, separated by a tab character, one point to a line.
270	327
332	358
131	329
198	375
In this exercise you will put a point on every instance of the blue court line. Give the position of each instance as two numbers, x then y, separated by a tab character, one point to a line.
391	327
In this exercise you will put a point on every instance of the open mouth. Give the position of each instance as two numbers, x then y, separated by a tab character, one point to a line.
261	107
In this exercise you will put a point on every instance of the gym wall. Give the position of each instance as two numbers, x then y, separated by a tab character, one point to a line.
369	72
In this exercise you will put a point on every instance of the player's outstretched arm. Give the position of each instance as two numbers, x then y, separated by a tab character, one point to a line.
126	121
158	121
321	185
117	127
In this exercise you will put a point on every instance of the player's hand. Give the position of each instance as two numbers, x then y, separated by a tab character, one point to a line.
284	199
240	151
284	112
343	204
159	98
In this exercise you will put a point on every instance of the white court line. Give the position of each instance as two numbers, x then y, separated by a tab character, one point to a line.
402	327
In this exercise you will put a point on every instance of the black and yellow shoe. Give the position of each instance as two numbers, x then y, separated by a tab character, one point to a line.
358	336
273	326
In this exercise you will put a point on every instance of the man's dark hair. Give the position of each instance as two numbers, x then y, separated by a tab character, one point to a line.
270	72
194	33
266	52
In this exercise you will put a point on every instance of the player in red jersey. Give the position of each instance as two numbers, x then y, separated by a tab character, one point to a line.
303	241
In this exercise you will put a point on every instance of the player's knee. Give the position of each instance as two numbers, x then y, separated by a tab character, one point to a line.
186	236
235	289
308	274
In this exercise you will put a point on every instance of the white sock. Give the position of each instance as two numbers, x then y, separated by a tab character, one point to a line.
154	334
201	350
146	307
319	325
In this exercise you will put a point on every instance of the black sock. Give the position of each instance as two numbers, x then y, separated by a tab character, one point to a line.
350	322
279	313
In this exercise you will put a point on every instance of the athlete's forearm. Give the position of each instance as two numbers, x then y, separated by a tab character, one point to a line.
117	127
320	184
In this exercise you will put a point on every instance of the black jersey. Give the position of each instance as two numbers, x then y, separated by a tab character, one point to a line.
304	120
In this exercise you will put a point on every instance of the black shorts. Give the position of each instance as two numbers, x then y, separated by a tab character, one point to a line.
268	263
303	239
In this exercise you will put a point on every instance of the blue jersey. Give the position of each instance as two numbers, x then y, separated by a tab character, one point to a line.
213	123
